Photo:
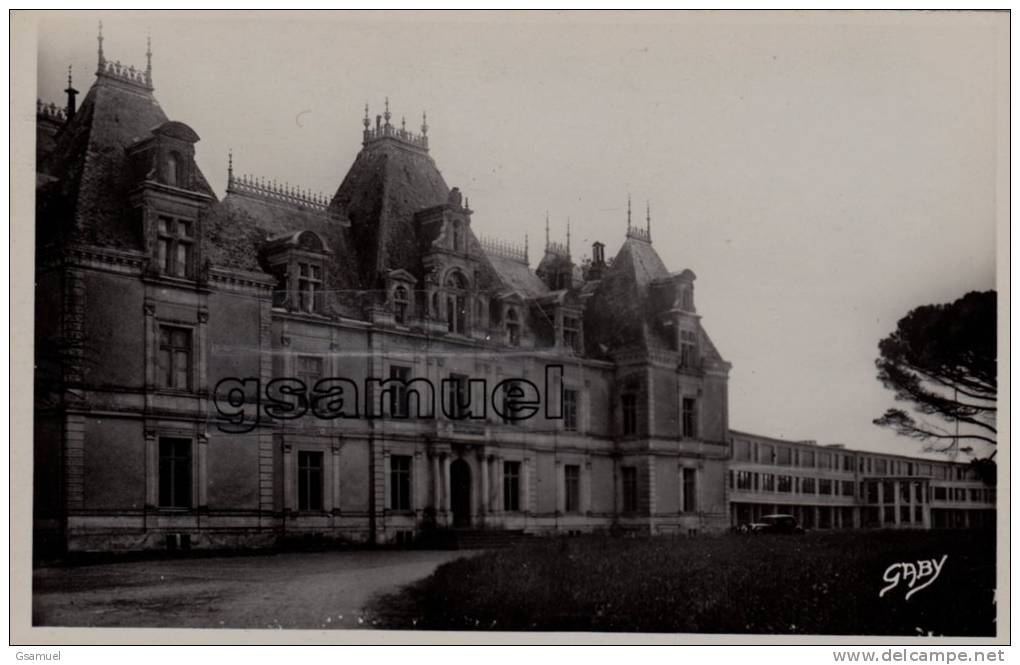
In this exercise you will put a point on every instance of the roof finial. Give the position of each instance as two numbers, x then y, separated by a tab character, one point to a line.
102	58
366	121
547	230
403	124
424	124
148	57
525	247
568	235
628	212
648	219
69	84
230	166
386	112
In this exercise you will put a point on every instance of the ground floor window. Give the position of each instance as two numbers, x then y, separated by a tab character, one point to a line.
511	486
630	489
690	490
572	488
400	482
309	480
174	473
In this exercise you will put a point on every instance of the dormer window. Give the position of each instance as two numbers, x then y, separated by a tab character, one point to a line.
458	237
513	328
688	348
298	262
456	303
571	333
175	246
174	170
687	302
309	287
400	304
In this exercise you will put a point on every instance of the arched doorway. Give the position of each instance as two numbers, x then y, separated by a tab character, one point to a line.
460	493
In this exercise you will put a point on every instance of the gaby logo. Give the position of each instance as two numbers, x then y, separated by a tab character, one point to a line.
917	575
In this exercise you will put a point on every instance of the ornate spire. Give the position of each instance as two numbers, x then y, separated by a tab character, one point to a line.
69	84
648	219
628	212
386	112
230	166
568	235
148	59
424	124
525	247
366	121
102	58
547	229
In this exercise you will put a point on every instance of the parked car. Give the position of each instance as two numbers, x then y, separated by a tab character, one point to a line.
777	523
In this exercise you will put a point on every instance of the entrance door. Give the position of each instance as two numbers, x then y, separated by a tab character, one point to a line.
460	493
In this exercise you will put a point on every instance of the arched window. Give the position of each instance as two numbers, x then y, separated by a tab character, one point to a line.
175	170
513	328
456	302
400	304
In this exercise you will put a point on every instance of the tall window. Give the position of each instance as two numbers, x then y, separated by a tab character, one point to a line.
309	287
690	490
628	406
784	484
456	303
570	410
630	489
511	486
309	480
457	395
309	370
174	473
400	482
175	357
572	488
744	480
400	304
174	170
571	333
176	246
807	485
688	348
690	421
513	328
398	392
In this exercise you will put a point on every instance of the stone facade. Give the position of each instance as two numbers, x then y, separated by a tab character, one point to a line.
154	295
163	311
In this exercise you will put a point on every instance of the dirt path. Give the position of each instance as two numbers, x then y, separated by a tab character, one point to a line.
292	590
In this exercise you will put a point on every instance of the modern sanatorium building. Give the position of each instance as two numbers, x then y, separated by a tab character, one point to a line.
158	303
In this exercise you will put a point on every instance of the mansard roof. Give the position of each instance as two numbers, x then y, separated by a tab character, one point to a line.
517	276
388	183
89	198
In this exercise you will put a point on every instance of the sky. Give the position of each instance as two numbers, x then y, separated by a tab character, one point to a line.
822	174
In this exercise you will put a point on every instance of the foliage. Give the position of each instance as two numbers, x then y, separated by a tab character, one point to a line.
942	360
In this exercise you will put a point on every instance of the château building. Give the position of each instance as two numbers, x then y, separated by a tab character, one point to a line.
164	310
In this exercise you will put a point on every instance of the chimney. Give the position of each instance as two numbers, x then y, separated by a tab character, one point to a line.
598	260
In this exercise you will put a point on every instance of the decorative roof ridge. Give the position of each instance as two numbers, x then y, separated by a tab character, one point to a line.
504	248
269	190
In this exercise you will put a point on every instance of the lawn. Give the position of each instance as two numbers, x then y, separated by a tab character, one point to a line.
819	583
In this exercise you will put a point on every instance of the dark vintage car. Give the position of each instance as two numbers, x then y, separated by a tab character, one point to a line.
777	523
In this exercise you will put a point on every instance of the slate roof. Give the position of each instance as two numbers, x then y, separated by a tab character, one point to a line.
518	276
239	228
387	184
89	198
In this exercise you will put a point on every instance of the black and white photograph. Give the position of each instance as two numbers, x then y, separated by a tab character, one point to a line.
351	325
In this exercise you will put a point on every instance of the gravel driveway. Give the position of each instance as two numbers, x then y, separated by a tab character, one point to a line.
289	590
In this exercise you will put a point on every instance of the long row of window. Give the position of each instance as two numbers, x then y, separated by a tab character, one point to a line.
780	455
752	481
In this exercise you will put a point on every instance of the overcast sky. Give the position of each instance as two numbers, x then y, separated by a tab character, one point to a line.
821	174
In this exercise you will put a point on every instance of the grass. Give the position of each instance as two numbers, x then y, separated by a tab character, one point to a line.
818	584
